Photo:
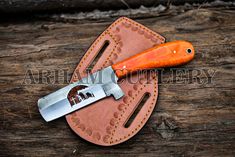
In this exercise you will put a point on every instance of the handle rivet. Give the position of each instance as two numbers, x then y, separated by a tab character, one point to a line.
188	50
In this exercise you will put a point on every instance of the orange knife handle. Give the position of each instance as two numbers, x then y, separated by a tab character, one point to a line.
164	55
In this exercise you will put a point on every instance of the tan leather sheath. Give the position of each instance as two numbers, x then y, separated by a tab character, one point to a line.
104	122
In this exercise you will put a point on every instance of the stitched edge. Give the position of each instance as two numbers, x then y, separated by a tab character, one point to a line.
107	31
154	78
106	61
135	130
132	23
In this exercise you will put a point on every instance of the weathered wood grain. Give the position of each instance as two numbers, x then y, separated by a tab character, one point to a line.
195	119
29	6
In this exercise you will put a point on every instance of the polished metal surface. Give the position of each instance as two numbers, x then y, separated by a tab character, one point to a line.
98	85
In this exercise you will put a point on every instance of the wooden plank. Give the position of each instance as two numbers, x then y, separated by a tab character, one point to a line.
28	6
192	119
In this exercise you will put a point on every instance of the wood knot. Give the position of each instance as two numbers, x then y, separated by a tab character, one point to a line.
167	128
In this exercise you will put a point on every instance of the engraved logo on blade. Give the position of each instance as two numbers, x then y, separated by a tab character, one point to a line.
76	96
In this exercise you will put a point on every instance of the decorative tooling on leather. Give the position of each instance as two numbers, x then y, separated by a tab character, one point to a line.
103	122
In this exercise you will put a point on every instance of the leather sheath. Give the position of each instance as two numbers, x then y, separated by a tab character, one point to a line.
104	122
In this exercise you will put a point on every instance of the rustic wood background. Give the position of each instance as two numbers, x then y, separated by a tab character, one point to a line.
27	6
189	119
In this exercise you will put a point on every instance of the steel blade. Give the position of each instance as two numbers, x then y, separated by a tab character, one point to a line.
80	94
63	106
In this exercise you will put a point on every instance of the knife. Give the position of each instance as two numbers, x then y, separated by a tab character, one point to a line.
104	83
